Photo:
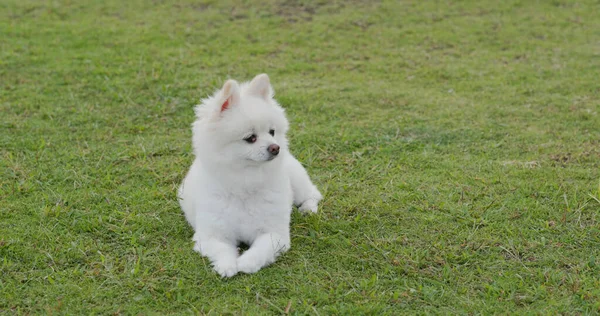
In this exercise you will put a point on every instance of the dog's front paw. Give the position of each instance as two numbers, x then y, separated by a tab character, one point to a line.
249	264
310	205
226	269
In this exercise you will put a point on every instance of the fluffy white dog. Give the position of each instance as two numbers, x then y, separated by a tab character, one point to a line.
242	184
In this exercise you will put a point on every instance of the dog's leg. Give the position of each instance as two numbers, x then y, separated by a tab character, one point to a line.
263	252
222	255
306	195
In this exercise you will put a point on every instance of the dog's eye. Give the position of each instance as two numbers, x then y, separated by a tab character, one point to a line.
250	139
272	132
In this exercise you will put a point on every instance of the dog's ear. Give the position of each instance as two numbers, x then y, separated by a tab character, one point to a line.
261	86
231	94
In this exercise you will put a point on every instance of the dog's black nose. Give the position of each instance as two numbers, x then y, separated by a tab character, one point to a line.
273	149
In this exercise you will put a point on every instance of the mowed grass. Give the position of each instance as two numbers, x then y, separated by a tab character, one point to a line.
457	144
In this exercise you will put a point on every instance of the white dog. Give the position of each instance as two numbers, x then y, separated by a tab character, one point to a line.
242	184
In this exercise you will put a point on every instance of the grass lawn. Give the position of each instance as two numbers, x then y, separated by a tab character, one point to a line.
457	144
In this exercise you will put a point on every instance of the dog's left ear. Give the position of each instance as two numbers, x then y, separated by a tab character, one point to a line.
230	94
261	86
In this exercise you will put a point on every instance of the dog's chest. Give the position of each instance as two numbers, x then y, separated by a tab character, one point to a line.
253	214
258	204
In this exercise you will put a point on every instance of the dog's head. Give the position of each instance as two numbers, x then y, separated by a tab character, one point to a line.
241	124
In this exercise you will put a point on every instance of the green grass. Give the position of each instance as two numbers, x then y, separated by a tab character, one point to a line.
457	145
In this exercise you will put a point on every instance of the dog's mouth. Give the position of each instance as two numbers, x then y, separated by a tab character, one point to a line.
258	161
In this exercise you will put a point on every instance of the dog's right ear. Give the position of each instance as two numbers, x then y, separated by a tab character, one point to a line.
230	94
261	86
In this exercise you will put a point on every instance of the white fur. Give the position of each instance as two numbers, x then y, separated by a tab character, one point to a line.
235	191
